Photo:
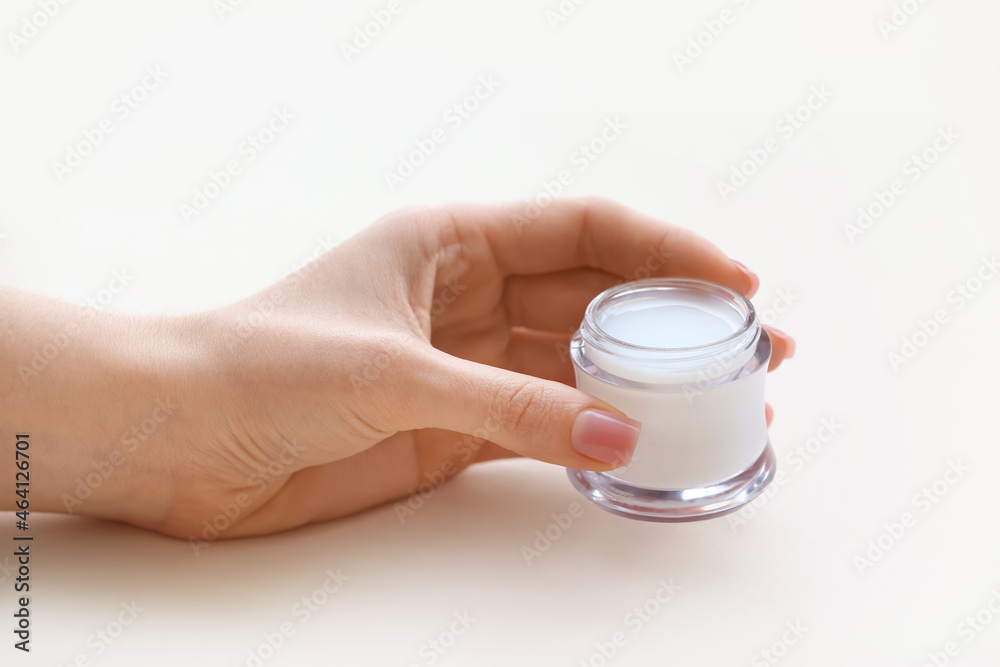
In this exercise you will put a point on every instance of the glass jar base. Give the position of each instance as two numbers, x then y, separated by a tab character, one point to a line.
676	505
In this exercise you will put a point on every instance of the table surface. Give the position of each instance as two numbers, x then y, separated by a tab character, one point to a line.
859	146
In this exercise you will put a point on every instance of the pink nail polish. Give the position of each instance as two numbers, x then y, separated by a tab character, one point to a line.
751	276
604	436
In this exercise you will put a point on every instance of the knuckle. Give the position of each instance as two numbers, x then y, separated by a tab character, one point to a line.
524	407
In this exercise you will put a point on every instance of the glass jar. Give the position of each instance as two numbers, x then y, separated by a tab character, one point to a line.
687	359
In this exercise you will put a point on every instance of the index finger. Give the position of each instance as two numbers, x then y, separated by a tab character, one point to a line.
526	239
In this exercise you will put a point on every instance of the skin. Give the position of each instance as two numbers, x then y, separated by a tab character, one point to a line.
342	387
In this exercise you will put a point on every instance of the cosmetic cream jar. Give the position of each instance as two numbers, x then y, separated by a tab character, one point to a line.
687	359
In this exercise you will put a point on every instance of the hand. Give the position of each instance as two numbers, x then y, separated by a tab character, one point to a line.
433	339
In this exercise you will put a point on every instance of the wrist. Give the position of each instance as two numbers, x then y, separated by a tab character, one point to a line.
106	413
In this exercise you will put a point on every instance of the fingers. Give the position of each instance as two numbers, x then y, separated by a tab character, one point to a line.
782	347
573	249
544	420
751	276
539	354
595	233
556	302
553	301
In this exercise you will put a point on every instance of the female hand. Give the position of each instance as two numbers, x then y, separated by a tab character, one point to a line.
433	339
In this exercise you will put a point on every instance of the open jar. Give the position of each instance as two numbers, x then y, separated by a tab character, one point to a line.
687	359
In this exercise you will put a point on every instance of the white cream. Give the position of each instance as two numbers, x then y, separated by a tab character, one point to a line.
669	324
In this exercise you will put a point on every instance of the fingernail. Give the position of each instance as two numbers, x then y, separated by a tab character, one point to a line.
789	342
606	437
750	275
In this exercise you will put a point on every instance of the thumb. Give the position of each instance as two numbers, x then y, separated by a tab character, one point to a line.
541	419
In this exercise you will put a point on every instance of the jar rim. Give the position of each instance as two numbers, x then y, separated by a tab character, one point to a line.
743	304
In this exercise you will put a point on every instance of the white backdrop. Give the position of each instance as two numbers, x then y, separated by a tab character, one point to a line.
879	544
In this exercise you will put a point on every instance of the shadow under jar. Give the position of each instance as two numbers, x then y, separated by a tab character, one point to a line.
687	359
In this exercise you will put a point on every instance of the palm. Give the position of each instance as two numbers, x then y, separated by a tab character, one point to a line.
469	320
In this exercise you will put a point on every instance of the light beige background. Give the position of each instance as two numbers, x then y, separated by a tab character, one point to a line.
850	303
